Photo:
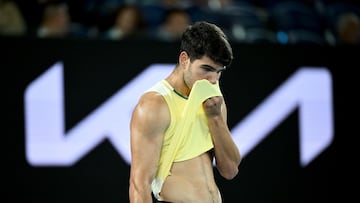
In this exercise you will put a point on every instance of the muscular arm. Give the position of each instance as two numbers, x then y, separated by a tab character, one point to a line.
227	155
149	120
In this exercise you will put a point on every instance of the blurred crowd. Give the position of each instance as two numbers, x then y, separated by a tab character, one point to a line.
328	22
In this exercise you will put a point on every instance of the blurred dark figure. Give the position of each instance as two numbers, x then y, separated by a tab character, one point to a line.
212	4
128	22
348	29
175	22
11	19
55	21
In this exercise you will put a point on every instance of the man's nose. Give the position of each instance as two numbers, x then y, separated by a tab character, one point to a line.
213	77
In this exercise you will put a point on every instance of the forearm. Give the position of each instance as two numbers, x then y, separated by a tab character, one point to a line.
140	194
226	152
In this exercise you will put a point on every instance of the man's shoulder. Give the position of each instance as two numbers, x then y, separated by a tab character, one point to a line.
161	87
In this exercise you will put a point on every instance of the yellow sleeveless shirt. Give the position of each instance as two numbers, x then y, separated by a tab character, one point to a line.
188	134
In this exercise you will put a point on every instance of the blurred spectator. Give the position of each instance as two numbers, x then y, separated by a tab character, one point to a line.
128	22
11	19
348	28
174	24
219	4
55	20
168	3
213	4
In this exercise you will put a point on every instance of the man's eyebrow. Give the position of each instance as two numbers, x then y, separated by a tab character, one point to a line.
212	68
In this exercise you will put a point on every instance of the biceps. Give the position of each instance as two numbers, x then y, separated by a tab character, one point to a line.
145	153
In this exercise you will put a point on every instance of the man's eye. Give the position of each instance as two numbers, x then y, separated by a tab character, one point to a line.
209	69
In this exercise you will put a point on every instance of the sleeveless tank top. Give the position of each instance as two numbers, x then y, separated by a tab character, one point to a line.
195	139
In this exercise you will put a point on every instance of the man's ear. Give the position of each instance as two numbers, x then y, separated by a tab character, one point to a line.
183	58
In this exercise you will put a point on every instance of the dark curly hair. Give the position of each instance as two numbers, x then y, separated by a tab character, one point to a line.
204	38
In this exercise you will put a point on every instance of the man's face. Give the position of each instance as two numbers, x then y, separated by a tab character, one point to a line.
203	68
